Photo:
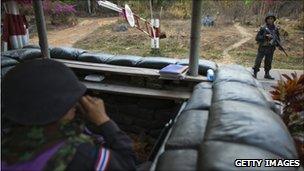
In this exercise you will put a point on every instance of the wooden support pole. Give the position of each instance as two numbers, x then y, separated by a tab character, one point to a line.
41	28
195	36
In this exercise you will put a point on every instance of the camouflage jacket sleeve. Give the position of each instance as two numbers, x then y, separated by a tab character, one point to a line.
115	154
261	36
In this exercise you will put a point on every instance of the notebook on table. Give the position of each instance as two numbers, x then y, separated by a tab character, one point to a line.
174	71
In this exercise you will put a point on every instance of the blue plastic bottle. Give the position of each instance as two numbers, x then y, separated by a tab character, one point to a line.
210	74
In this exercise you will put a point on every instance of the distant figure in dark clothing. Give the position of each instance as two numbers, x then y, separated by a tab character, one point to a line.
208	21
42	98
266	46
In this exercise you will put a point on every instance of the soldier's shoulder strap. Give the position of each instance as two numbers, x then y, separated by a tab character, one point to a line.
263	28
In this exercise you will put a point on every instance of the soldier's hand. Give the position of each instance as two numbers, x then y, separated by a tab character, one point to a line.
94	110
269	36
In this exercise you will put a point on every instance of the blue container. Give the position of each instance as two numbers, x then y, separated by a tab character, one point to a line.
210	74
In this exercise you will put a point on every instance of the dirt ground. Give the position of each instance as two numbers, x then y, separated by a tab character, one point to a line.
68	36
226	44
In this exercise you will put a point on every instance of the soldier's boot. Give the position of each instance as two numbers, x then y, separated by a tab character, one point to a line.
255	72
268	76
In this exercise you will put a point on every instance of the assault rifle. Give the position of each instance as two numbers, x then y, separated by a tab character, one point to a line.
275	41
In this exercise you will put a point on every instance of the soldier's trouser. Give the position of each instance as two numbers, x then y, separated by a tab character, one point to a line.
266	52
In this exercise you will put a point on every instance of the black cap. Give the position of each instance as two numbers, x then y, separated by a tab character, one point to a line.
39	92
270	14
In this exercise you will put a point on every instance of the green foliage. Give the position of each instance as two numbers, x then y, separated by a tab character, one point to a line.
155	52
69	1
248	2
180	10
300	25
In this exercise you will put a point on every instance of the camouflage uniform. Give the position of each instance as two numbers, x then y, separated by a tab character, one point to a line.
75	149
39	140
266	49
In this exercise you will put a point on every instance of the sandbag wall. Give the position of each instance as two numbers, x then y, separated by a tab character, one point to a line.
33	52
241	123
180	150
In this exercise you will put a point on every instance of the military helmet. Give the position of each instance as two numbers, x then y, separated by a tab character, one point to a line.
39	92
270	14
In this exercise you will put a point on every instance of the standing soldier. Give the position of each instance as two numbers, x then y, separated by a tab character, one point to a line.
266	45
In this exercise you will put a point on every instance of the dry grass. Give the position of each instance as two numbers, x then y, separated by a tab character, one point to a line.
177	44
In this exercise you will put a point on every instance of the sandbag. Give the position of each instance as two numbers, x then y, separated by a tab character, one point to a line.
23	54
200	99
95	57
204	65
250	124
6	62
203	85
66	53
275	107
155	62
4	70
124	60
189	130
235	73
175	160
220	156
238	91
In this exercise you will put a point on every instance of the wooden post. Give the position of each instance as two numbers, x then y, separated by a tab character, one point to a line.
41	28
89	6
195	36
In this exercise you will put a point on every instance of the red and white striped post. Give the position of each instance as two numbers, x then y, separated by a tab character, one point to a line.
155	34
15	30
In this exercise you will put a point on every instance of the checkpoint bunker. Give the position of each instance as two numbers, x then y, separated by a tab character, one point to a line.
189	124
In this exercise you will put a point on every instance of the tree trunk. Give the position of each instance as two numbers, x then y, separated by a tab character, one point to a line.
89	6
